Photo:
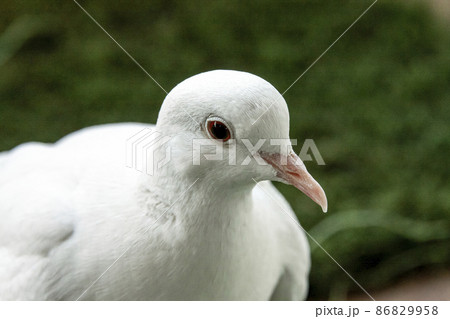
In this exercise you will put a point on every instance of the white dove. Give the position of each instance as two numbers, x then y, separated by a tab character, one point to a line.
203	222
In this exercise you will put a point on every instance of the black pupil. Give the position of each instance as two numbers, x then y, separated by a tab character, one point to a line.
219	130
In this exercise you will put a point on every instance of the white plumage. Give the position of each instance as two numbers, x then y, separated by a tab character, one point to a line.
69	210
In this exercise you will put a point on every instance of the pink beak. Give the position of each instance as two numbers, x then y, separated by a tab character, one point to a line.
292	170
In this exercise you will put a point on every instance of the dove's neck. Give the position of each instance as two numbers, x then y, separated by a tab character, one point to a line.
199	200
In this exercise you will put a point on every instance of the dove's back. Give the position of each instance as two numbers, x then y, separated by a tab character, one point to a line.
44	188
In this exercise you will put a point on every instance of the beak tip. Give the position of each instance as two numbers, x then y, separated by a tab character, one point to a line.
323	202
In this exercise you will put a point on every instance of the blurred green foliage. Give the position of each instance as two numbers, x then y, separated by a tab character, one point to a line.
377	105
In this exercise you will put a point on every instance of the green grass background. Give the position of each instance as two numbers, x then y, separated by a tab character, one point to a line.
377	105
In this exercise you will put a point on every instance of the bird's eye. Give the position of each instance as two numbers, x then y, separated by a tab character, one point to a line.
218	130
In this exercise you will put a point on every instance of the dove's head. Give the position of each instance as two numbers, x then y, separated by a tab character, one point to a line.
232	128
